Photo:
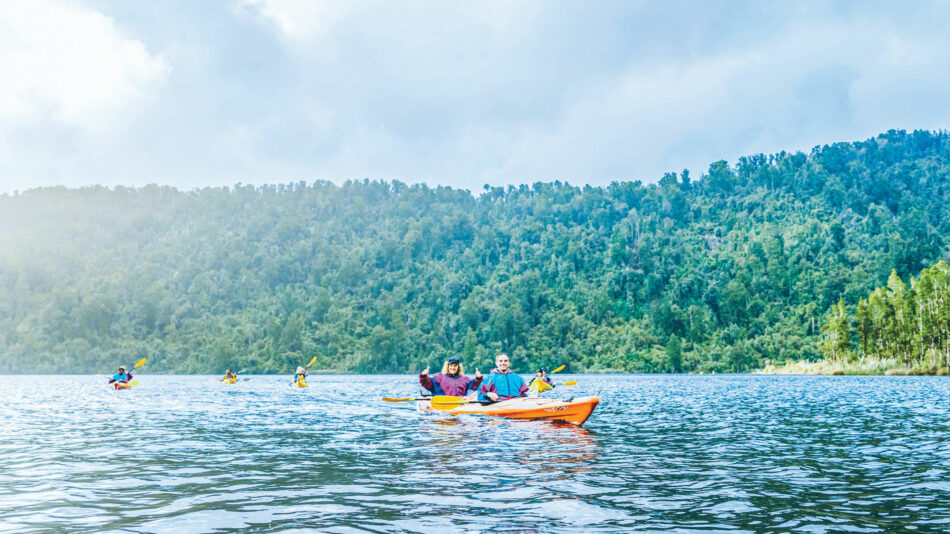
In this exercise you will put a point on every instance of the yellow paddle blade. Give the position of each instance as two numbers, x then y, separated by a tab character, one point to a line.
134	383
559	369
570	383
398	399
446	402
311	361
140	364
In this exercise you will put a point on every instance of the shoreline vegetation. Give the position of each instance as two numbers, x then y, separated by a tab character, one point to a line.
719	273
899	329
868	366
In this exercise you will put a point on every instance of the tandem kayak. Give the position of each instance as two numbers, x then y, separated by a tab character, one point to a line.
574	411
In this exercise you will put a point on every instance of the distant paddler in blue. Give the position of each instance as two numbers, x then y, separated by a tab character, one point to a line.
122	377
451	381
502	384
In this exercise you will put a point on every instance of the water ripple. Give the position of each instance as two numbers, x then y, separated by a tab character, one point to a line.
660	454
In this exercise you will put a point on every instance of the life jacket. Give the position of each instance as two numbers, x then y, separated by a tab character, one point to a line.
506	385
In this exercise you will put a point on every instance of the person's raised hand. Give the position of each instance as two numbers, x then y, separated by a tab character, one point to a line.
425	372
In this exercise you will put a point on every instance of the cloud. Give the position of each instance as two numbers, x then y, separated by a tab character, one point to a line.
509	92
812	81
64	63
458	94
299	19
304	20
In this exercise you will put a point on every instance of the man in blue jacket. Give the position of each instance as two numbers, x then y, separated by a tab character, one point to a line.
502	384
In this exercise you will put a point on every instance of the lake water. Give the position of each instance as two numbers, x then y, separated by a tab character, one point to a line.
660	453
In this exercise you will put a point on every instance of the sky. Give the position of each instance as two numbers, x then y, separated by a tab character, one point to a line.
214	93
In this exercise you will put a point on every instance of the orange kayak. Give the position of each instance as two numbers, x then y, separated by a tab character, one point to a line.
574	411
122	385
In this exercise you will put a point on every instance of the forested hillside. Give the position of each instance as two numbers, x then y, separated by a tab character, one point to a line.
721	273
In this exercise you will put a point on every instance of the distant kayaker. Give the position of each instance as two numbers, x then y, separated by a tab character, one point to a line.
301	374
229	375
541	378
122	377
451	381
502	384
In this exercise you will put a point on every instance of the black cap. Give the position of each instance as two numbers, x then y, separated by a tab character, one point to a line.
454	359
543	370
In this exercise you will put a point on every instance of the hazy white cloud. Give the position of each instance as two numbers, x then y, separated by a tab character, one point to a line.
311	19
300	19
62	62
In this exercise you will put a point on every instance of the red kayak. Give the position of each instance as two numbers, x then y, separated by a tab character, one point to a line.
574	411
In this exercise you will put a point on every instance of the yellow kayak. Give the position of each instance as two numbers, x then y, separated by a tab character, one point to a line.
300	383
229	380
538	386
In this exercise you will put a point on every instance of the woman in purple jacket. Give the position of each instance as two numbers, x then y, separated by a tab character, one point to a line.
450	381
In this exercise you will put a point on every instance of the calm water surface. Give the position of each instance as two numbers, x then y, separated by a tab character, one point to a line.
660	453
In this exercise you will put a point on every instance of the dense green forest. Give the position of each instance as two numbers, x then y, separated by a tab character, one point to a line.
907	324
726	272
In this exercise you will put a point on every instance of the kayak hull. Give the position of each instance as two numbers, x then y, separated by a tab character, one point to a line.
573	411
300	384
229	380
538	386
121	385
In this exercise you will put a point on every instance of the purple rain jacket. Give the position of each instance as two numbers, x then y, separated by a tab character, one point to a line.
446	384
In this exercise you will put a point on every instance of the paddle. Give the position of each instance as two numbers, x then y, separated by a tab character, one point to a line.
559	369
404	399
447	402
570	383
